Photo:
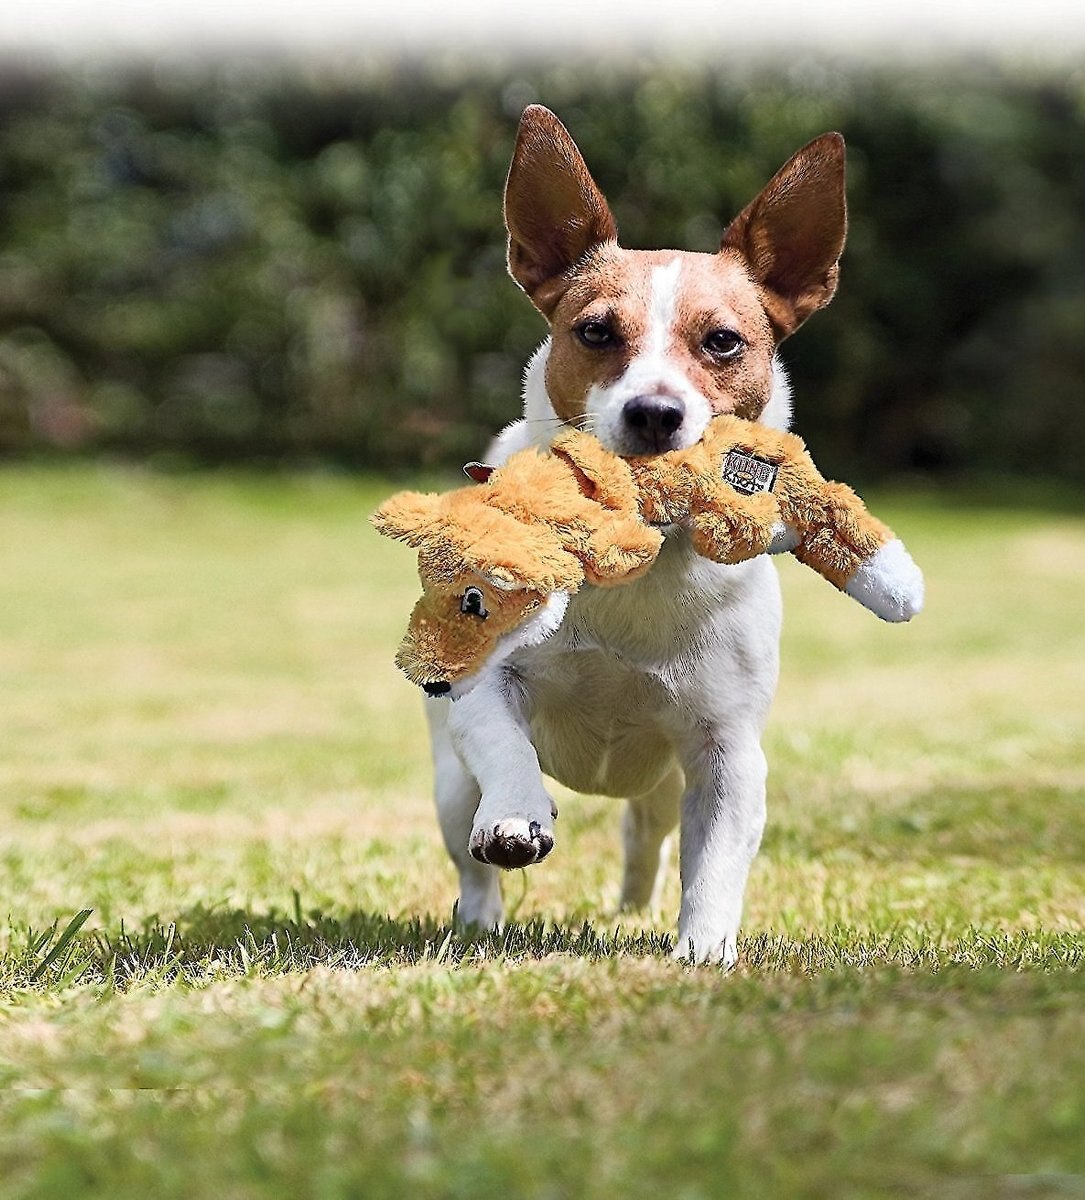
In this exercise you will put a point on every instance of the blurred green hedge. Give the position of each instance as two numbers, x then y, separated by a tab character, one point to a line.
249	261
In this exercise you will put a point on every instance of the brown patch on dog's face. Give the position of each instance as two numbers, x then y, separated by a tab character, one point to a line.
456	626
717	295
613	292
626	331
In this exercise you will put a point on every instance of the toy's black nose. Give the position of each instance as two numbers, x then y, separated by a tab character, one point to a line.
441	688
653	421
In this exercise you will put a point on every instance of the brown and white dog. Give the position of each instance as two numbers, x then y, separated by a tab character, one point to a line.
656	691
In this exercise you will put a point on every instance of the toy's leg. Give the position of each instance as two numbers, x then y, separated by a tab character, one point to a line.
514	823
646	826
741	529
723	817
852	549
457	796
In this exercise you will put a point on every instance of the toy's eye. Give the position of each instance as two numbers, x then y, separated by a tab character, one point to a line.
723	343
471	604
596	334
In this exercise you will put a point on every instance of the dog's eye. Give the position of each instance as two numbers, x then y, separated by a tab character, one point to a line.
471	604
596	334
724	343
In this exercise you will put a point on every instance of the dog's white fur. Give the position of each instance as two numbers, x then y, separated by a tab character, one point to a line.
656	691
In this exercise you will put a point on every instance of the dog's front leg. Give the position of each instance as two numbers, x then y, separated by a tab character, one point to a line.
513	824
723	817
457	796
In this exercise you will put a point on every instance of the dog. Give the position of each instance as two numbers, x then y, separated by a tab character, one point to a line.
656	692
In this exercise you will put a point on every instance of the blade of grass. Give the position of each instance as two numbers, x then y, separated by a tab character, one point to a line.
62	943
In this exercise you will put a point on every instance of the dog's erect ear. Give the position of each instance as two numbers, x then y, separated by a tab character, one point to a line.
407	516
554	212
792	234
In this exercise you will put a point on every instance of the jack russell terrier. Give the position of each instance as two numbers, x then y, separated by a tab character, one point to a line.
656	691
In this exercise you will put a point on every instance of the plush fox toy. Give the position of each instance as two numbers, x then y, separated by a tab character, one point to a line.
499	560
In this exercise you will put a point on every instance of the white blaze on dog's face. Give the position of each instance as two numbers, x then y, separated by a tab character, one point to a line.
650	345
646	346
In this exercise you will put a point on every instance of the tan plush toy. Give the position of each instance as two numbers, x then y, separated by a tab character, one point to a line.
499	560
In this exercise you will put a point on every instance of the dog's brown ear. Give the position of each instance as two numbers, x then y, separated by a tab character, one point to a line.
792	234
554	213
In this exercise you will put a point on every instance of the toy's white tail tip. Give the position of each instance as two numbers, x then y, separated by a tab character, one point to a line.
889	583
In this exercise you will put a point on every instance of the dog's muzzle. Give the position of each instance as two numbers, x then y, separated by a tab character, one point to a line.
440	688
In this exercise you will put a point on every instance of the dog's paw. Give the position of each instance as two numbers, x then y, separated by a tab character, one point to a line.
479	909
706	952
478	922
513	842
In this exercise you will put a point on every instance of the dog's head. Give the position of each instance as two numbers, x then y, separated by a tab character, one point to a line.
490	584
648	345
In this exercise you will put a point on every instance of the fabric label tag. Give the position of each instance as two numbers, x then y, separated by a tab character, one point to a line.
747	473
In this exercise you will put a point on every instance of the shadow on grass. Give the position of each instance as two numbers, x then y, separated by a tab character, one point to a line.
205	942
363	938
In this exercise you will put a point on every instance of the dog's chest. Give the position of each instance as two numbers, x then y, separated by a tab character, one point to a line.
673	614
634	668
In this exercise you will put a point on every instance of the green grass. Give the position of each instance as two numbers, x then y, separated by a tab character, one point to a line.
205	743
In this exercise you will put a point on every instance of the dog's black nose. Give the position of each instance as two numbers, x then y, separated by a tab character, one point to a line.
441	688
654	420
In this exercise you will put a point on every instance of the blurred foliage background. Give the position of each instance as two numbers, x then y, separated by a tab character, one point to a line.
248	261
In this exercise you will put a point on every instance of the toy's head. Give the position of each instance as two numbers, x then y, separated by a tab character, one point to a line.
490	584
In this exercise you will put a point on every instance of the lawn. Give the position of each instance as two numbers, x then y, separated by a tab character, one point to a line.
206	745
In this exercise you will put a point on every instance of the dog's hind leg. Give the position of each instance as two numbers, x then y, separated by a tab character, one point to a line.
457	795
646	828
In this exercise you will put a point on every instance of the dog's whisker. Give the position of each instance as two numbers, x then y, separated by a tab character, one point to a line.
585	422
